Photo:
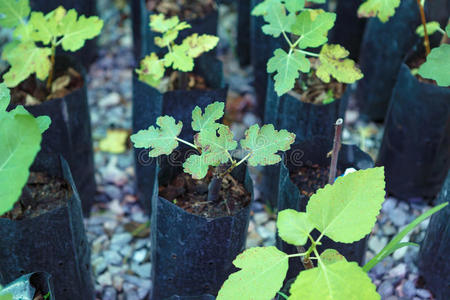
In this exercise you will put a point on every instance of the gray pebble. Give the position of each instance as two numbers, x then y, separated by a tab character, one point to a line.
409	289
385	289
109	293
122	239
143	270
112	257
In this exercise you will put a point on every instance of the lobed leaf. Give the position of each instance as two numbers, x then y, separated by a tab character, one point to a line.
294	227
287	66
76	31
161	140
278	20
447	30
294	6
383	9
216	147
197	45
196	165
437	66
213	112
12	12
170	35
263	270
159	23
264	144
43	122
151	70
25	60
42	30
330	256
333	62
5	97
334	279
432	27
179	59
263	7
346	211
313	28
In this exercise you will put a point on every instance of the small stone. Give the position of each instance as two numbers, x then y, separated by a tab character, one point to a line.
388	229
126	251
409	289
104	279
264	233
97	244
143	270
140	255
271	226
392	298
398	217
109	294
122	239
99	265
112	257
424	294
141	243
110	226
140	282
112	191
131	295
109	100
118	282
398	271
385	289
389	204
143	292
253	240
260	218
376	244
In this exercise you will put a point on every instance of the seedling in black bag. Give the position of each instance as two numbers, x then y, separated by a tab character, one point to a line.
214	143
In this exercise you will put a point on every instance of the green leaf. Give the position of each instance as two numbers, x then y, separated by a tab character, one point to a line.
432	27
5	97
41	28
6	297
25	60
346	211
161	140
294	6
197	45
294	227
213	112
263	270
76	32
170	35
215	148
21	140
383	9
333	62
313	29
330	256
262	8
43	122
159	23
447	30
318	1
151	70
395	243
287	66
12	12
179	59
264	144
437	66
334	280
196	165
278	20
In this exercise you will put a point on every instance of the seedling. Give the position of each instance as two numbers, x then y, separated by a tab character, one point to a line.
57	28
437	65
345	212
303	28
214	142
179	56
20	136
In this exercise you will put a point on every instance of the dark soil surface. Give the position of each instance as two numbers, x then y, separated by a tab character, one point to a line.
415	63
191	195
310	179
41	194
34	92
184	9
191	81
311	89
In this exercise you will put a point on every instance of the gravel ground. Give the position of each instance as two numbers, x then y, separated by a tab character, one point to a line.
118	228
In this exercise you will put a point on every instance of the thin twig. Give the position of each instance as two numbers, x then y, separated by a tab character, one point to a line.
307	263
336	147
52	67
425	31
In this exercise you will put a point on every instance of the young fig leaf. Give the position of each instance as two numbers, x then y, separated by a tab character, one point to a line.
199	44
151	70
383	9
161	140
216	147
277	19
196	165
41	28
334	280
437	66
287	66
346	211
25	60
170	35
159	23
208	120
293	226
330	256
179	59
12	12
432	27
263	270
5	97
263	7
313	29
294	6
76	32
333	62
447	30
264	144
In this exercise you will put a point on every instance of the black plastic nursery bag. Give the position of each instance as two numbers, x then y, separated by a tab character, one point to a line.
25	287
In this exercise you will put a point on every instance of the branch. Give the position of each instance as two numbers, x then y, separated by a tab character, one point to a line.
335	152
424	24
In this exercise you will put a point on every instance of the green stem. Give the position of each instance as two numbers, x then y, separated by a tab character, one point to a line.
187	143
296	42
287	39
308	53
52	66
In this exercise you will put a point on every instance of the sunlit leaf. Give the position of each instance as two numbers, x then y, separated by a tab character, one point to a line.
294	227
313	30
278	20
151	70
12	12
213	112
437	66
383	9
179	59
196	165
199	44
215	146
432	27
159	23
115	141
